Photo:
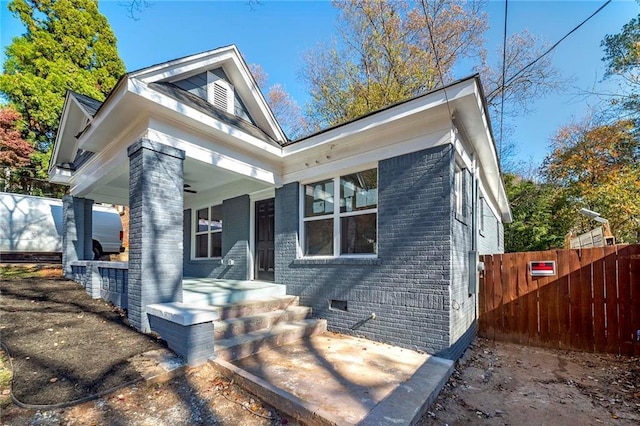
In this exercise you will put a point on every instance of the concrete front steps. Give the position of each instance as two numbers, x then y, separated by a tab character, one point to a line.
246	328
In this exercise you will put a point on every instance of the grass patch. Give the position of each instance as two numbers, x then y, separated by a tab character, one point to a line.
22	271
5	380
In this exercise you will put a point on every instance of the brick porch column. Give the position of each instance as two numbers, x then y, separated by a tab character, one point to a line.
77	231
155	228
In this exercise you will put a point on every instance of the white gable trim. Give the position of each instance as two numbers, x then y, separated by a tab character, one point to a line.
107	107
70	102
229	59
168	102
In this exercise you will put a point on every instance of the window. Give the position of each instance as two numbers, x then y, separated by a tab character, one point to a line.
458	192
208	232
346	227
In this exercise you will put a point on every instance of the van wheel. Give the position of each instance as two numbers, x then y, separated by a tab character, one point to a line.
97	253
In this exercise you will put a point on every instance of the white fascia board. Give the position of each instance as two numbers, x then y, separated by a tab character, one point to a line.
105	162
489	200
107	107
490	163
184	67
61	128
223	160
255	95
366	158
382	118
462	147
100	170
142	90
60	175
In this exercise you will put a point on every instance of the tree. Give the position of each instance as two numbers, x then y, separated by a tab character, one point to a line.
521	84
596	166
388	52
535	207
284	107
68	44
384	54
15	152
622	57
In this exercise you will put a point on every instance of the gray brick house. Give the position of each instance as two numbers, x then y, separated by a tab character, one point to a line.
376	223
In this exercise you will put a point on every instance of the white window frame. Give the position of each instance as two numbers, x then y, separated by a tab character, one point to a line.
336	215
212	81
458	191
195	232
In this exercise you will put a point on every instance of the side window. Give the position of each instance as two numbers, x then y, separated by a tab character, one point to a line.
208	232
458	192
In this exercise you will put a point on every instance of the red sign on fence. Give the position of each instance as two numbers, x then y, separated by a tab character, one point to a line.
542	269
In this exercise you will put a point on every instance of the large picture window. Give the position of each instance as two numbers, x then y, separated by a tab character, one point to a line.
208	232
340	215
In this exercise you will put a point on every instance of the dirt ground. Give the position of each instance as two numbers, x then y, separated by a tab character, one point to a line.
494	383
200	397
506	384
65	346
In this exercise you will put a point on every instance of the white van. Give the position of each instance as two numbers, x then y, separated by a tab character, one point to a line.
33	226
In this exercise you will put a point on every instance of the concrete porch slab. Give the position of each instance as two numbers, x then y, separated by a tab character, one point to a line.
211	291
343	380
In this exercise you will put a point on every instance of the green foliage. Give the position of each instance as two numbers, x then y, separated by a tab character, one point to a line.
68	44
622	58
596	167
536	224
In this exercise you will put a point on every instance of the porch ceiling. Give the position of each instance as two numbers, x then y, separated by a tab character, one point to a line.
201	177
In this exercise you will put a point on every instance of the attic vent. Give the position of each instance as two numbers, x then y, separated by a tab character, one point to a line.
220	96
220	93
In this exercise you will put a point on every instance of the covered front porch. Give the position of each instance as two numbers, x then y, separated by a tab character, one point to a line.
110	281
188	218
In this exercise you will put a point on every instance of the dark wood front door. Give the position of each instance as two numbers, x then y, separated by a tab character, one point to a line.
265	240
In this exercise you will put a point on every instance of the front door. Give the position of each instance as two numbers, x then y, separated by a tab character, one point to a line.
265	237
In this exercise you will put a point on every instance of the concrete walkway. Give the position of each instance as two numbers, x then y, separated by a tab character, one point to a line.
337	379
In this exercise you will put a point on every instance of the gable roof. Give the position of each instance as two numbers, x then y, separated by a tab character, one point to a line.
88	104
231	61
205	107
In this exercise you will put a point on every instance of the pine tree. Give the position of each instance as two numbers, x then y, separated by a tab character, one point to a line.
68	44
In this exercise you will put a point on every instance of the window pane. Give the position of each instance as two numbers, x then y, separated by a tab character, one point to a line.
201	245
216	244
203	220
359	191
216	218
358	234
319	237
318	198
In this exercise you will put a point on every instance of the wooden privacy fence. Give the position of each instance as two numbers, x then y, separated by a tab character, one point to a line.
591	304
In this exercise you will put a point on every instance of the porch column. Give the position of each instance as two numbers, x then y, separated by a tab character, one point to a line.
77	231
155	228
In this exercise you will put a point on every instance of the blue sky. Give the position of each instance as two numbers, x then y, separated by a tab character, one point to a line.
276	35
